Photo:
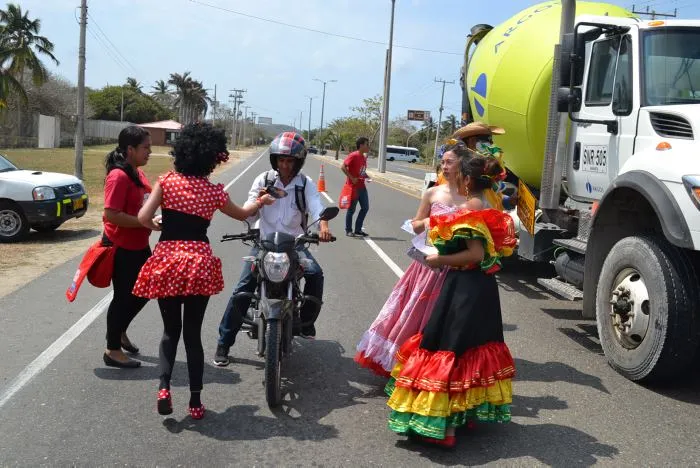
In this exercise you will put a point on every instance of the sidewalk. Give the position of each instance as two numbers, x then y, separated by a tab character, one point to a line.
404	183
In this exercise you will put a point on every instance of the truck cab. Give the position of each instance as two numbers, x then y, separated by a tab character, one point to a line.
631	181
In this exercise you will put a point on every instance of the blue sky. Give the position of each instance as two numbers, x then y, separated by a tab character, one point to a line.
276	64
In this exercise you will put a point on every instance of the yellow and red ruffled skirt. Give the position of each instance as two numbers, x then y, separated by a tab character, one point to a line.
431	391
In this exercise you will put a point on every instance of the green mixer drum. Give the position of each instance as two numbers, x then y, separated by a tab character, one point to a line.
509	81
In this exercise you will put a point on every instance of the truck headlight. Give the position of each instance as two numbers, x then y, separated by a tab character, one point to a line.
692	185
276	265
43	193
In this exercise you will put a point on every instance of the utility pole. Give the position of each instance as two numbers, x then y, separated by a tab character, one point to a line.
253	114
301	114
237	100
381	157
310	101
654	14
121	114
80	128
437	129
323	105
245	121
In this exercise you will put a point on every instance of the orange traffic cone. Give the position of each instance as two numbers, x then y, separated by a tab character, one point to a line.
321	181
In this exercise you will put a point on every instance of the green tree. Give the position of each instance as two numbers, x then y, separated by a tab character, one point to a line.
133	83
192	99
21	46
138	107
336	141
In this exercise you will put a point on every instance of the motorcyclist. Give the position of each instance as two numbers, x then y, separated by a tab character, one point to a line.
300	201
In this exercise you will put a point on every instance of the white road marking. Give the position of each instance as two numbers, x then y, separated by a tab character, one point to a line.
244	171
57	347
45	358
394	267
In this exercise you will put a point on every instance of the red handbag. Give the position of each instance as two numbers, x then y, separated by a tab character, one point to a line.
97	264
346	197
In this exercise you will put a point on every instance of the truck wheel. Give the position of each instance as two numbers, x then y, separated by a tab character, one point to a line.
13	224
645	303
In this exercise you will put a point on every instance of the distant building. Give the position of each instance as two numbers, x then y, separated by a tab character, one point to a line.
163	132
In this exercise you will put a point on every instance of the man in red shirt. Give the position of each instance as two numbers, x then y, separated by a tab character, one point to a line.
355	168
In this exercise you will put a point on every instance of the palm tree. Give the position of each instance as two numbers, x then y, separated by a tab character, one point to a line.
335	140
182	84
192	99
133	83
19	37
161	87
8	83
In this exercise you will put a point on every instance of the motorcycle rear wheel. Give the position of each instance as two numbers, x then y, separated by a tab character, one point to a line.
273	363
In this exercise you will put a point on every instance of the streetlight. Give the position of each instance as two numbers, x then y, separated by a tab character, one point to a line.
381	163
409	136
323	105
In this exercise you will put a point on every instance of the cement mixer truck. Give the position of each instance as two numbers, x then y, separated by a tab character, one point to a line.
602	111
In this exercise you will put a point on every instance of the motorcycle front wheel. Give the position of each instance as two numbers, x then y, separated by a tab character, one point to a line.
273	363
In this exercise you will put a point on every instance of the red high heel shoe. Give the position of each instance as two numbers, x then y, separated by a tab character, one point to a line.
448	441
196	413
165	402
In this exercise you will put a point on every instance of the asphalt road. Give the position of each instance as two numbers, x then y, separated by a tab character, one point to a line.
570	408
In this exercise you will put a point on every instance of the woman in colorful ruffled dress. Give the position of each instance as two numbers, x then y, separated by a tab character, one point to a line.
183	273
411	301
458	369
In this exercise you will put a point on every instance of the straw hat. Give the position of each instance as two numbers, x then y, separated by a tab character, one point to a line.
477	128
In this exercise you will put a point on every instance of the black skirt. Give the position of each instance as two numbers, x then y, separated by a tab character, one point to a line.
467	313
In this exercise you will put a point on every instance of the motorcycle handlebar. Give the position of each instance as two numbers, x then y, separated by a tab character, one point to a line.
228	237
314	239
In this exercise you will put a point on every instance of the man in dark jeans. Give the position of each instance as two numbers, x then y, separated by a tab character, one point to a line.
355	168
287	157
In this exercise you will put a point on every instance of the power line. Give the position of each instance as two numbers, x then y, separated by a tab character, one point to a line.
108	40
109	52
304	28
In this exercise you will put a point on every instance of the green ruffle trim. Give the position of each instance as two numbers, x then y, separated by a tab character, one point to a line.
435	427
458	243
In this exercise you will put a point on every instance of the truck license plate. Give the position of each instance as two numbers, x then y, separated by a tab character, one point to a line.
78	204
594	158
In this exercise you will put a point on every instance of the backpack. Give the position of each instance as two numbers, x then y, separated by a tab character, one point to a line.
299	196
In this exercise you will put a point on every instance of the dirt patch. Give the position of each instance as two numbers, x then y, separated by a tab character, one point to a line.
40	252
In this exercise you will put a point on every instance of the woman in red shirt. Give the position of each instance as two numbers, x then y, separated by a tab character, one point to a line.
126	189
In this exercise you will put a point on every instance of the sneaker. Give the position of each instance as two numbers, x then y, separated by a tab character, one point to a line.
361	234
221	357
350	234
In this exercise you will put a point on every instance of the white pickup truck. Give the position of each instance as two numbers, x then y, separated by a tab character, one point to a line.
38	200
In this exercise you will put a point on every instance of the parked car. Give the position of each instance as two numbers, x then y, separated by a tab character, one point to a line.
38	200
313	149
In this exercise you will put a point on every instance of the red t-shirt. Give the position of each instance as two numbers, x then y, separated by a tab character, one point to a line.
357	167
122	194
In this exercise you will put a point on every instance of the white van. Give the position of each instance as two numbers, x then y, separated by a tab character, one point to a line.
402	153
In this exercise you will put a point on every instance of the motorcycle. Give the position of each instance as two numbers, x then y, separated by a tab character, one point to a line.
274	315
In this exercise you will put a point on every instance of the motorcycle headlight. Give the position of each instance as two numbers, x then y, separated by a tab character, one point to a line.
43	193
276	265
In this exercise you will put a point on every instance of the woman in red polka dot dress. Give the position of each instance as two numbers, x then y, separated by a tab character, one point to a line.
183	273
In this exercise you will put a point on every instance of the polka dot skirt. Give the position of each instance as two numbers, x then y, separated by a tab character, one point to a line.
180	267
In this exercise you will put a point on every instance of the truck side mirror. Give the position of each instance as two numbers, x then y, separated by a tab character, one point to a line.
567	53
565	95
